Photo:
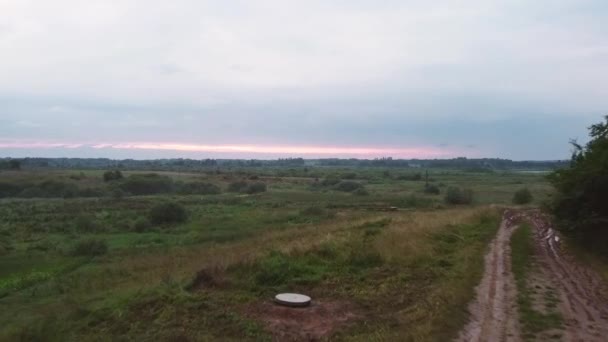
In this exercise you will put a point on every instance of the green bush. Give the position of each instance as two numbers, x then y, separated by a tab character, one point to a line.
89	247
432	189
146	184
580	204
198	188
256	187
361	192
522	196
455	195
112	175
168	212
329	181
238	186
141	225
348	186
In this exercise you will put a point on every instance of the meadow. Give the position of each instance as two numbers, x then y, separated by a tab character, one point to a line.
194	256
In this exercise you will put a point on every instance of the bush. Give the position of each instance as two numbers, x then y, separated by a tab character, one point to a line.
348	186
198	188
169	212
580	204
522	196
112	175
238	186
361	192
329	181
89	247
256	187
146	184
86	223
432	189
455	195
141	225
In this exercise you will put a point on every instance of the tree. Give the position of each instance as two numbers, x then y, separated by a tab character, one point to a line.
14	164
168	212
522	196
112	175
581	205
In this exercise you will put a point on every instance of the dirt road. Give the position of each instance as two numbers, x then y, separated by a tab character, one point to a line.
580	294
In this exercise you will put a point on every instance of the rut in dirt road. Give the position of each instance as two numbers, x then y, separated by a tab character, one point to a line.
494	312
581	292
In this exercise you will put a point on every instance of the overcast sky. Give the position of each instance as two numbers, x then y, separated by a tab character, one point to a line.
318	78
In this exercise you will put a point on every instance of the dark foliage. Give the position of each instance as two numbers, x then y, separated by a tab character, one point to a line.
432	189
522	196
581	205
348	186
255	188
455	195
112	175
169	212
146	184
89	247
197	188
238	186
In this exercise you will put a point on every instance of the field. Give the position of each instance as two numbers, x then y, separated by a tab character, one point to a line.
86	259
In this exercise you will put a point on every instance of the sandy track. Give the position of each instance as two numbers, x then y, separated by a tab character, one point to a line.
581	292
493	312
583	304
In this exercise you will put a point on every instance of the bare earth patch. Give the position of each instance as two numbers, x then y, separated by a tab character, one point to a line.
494	311
319	320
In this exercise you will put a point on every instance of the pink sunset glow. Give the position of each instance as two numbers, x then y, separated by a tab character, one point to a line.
252	150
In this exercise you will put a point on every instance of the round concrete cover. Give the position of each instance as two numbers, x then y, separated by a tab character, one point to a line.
292	299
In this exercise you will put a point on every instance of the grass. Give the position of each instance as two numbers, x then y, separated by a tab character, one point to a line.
532	320
410	272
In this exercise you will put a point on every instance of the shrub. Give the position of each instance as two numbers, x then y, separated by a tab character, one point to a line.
169	212
238	186
348	186
147	184
361	192
455	195
112	175
198	188
141	225
349	175
329	181
32	192
256	187
86	223
410	177
89	247
432	189
522	196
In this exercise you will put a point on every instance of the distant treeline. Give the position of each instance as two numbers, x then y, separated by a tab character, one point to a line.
480	164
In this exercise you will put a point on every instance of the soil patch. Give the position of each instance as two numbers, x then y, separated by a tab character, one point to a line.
319	320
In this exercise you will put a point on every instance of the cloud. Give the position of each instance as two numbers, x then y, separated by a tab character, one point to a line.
328	73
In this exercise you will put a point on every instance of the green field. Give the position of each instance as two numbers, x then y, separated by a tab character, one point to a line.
85	259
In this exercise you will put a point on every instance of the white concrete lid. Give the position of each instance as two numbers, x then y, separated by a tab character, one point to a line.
292	299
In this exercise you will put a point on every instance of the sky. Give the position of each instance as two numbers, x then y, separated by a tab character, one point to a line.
266	79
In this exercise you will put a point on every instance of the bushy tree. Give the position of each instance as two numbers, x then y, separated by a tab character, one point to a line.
455	195
581	205
522	196
112	175
168	212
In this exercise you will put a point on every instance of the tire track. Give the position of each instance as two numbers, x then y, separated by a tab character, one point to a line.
493	312
581	291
